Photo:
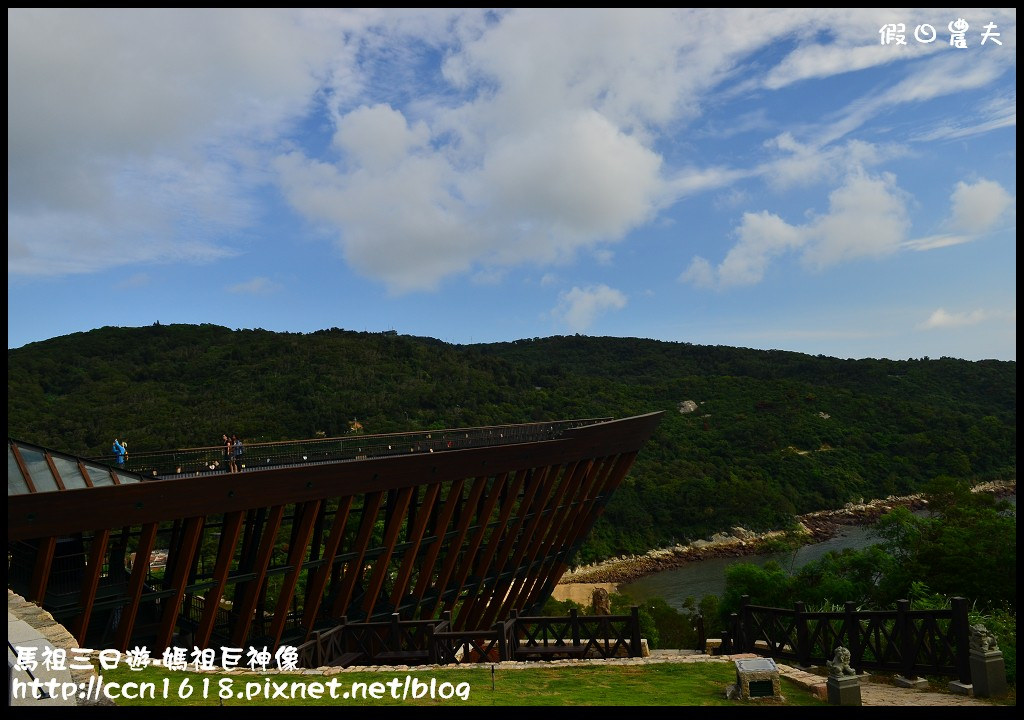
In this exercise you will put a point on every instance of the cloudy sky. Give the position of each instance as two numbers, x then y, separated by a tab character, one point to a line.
828	181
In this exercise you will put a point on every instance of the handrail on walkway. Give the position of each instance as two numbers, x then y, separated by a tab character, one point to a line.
258	455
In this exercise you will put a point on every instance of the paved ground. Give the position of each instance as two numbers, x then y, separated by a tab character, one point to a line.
28	625
872	693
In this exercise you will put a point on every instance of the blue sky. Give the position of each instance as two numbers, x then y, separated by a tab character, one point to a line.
792	179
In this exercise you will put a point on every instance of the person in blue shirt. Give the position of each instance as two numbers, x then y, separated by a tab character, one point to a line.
120	450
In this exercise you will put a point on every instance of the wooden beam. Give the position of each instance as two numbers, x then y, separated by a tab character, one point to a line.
528	542
559	527
53	471
140	568
455	546
533	499
440	528
231	530
193	528
41	569
25	474
90	581
251	591
483	520
380	567
415	536
616	474
476	599
371	506
552	514
296	552
315	590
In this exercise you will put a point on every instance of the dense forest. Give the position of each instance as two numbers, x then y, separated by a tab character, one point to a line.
750	437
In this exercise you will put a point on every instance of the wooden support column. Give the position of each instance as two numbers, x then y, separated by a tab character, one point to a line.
371	507
297	551
488	503
440	529
190	532
230	533
380	567
315	591
617	468
455	546
90	581
427	508
250	591
560	528
41	569
549	517
137	580
527	545
529	509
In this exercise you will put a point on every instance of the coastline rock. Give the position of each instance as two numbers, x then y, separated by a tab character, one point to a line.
815	526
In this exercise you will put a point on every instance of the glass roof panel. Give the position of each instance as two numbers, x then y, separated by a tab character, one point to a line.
70	475
16	484
99	474
35	461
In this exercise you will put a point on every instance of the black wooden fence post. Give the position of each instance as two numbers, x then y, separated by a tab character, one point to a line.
905	632
744	638
962	637
499	628
634	644
433	657
853	635
702	638
803	650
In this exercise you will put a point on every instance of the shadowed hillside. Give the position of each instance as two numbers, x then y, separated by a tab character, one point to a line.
765	435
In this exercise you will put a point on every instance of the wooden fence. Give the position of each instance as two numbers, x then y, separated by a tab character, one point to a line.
909	642
434	642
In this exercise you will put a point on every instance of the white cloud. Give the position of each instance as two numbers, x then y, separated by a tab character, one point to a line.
817	61
942	319
579	308
867	218
998	112
577	176
978	206
256	286
762	237
127	127
378	138
144	135
699	273
934	242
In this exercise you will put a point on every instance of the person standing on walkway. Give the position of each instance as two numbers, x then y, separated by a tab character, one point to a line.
236	453
119	451
229	459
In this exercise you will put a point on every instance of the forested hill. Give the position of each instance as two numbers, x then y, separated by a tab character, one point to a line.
765	434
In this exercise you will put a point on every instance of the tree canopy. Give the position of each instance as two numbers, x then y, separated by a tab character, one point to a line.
766	435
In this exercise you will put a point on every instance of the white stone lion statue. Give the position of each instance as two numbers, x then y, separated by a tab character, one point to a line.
839	665
982	640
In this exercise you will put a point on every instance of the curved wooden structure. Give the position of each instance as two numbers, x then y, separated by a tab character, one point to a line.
265	557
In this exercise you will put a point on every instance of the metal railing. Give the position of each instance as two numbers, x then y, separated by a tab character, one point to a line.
192	461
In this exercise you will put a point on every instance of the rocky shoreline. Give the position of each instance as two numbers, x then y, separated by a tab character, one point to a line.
812	528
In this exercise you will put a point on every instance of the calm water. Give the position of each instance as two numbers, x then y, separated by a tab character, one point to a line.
707	577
